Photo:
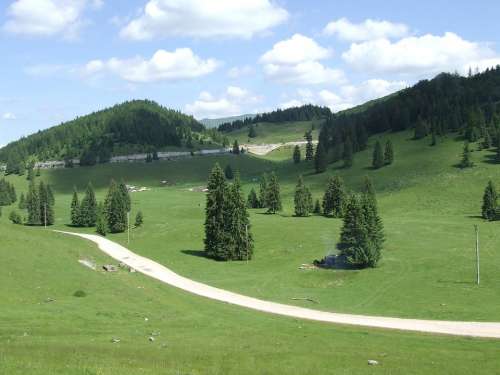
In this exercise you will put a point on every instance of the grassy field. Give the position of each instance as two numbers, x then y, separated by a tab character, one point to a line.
428	206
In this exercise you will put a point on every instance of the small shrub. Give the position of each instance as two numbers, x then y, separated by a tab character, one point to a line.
80	294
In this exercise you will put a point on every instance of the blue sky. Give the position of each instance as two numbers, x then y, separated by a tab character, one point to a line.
215	58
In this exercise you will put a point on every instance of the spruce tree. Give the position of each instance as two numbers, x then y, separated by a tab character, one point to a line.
347	155
31	174
253	200
88	208
50	195
490	205
309	146
374	227
296	154
378	156
263	191
236	147
353	235
139	219
487	140
317	207
22	202
125	195
101	225
251	131
33	204
215	236
228	172
76	220
302	199
388	153
320	161
334	200
46	209
368	189
273	195
116	209
466	161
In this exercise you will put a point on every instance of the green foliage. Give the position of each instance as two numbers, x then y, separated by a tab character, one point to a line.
389	153
348	153
15	218
80	294
75	215
317	207
7	193
334	199
46	205
320	159
309	146
378	156
101	225
33	205
302	199
116	209
490	205
125	196
466	161
296	154
273	196
22	202
88	208
421	129
253	200
228	172
252	133
215	235
236	147
139	219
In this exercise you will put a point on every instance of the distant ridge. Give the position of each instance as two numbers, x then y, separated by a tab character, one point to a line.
213	123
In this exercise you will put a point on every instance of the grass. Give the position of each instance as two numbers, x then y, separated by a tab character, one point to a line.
428	206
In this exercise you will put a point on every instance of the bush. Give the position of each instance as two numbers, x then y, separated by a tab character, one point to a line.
15	218
80	294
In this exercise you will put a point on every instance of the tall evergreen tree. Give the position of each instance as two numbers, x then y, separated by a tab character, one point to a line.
378	156
273	195
88	208
228	172
309	146
75	210
33	205
125	195
139	219
215	236
334	200
101	225
466	161
253	200
296	154
22	202
354	236
252	133
46	208
487	139
302	199
31	174
263	190
374	227
320	160
489	209
116	209
388	153
236	147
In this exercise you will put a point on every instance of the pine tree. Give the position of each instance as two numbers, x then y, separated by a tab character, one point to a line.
31	174
367	189
466	161
236	147
101	225
139	219
50	195
88	208
116	209
76	219
487	140
302	199
125	195
334	200
251	131
490	205
388	153
317	207
347	156
252	200
33	205
309	146
378	156
263	191
46	209
215	236
374	227
296	154
353	236
22	202
273	195
228	172
320	161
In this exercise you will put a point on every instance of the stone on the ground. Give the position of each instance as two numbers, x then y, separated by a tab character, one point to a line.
372	362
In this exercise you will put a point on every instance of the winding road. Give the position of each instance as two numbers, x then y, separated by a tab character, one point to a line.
163	274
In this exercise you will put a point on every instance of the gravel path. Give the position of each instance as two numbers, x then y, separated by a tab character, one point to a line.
159	272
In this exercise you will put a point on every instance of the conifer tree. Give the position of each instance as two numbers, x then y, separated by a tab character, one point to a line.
296	154
253	200
317	207
490	205
31	174
320	161
353	236
334	200
466	161
88	208
263	191
497	156
228	172
125	195
215	236
368	189
309	146
374	227
139	219
116	209
22	202
33	204
252	133
487	140
236	147
302	199
388	153
46	208
273	195
378	156
101	225
347	156
75	210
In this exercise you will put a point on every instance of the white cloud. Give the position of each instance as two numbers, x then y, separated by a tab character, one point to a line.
416	55
204	19
9	116
367	30
240	71
163	66
228	104
48	17
295	61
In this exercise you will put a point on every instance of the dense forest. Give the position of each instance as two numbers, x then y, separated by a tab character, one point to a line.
135	126
304	113
448	103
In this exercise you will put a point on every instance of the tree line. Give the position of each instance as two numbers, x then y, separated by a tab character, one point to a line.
39	203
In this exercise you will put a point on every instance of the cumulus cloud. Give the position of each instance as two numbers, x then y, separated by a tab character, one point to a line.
296	61
162	66
9	116
48	17
228	104
367	30
417	55
204	19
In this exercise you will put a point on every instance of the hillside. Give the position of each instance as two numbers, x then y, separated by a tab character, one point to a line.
135	126
215	122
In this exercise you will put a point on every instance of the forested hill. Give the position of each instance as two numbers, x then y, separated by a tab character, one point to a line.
468	106
303	113
133	126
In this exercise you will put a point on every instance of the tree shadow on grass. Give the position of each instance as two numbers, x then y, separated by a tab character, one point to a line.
474	216
456	282
196	253
491	158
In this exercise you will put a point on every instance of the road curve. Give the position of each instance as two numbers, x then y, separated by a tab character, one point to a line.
159	272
